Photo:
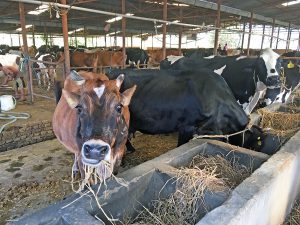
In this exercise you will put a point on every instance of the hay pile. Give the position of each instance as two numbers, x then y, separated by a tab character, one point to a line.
280	123
205	174
294	217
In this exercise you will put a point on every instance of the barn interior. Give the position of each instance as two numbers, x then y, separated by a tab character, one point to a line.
35	167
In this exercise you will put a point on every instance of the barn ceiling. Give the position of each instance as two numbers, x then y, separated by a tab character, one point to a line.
187	11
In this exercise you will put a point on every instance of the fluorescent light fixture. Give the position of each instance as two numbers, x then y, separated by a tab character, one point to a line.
173	4
77	30
113	33
143	34
27	26
117	18
174	21
40	9
291	3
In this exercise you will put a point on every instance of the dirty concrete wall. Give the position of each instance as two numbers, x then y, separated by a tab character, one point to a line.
27	134
267	196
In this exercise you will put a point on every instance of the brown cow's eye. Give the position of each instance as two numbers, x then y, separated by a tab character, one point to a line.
119	108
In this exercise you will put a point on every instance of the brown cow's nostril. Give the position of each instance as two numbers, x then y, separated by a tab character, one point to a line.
103	150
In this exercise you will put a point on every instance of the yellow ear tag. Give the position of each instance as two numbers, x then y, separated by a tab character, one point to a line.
290	65
259	143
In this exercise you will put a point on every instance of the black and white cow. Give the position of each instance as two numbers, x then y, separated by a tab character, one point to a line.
167	101
45	72
136	56
249	78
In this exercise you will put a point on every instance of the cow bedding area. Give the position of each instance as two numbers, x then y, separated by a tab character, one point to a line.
187	204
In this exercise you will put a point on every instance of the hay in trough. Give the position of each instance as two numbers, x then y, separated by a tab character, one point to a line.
294	217
205	174
279	123
232	173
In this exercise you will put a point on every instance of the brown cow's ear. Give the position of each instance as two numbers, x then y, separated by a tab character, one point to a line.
120	80
126	96
71	98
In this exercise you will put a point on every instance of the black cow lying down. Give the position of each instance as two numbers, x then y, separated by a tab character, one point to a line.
188	102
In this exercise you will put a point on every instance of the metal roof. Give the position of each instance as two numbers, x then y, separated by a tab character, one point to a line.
198	12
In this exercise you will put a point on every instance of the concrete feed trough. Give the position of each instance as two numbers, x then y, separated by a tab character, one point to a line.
145	183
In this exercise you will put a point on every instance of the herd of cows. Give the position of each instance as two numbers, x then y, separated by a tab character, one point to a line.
191	95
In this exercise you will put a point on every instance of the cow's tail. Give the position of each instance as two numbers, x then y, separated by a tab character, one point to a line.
58	86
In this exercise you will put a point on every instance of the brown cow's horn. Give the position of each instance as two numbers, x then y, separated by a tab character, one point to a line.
76	77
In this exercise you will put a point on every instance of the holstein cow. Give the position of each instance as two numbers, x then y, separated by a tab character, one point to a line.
249	78
91	120
167	101
291	80
136	56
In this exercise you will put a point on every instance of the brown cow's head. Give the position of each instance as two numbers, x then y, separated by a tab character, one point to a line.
102	123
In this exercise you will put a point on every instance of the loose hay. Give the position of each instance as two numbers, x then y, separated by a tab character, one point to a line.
294	217
279	123
205	174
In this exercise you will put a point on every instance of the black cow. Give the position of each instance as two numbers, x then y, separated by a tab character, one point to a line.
136	56
246	77
189	102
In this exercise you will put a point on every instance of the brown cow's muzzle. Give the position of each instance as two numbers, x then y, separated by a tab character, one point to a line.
94	151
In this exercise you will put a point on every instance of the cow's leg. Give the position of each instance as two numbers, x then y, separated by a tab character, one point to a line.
185	134
129	147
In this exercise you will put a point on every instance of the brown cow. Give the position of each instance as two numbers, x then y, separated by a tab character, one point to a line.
105	58
91	120
156	56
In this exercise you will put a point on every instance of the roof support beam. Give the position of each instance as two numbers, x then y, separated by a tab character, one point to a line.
165	15
64	19
263	37
243	36
227	9
124	34
217	31
249	35
272	33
